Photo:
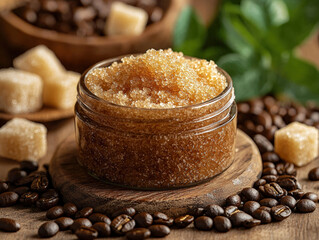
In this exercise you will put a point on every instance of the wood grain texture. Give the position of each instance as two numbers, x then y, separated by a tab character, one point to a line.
76	185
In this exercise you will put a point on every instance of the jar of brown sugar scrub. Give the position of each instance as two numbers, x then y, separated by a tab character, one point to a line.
152	142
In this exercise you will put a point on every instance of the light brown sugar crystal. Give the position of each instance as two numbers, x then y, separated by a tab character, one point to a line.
297	143
21	139
157	79
20	91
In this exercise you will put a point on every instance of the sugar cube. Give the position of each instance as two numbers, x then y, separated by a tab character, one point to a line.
20	91
21	139
61	92
125	20
40	60
297	143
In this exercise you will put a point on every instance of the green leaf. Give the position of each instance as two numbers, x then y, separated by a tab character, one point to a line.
254	11
189	33
278	12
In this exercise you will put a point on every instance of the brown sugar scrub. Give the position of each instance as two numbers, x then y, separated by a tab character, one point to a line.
155	121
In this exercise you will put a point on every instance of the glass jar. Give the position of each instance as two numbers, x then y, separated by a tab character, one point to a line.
155	148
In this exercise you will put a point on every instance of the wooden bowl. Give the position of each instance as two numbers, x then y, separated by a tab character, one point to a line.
78	53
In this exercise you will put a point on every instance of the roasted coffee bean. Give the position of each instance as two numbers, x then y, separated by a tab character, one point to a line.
250	223
103	229
269	171
262	215
297	194
197	211
280	212
264	119
239	218
169	222
8	199
183	221
9	225
259	182
127	211
21	190
313	174
268	202
311	195
230	210
40	184
143	219
48	229
29	165
29	198
25	180
233	200
288	201
278	121
270	178
50	193
267	209
84	212
305	206
69	209
250	207
272	190
122	224
138	234
86	233
286	169
160	215
54	212
99	217
250	194
268	165
80	222
269	133
64	223
47	203
270	157
159	230
256	106
288	182
3	187
15	174
203	223
243	107
222	224
214	210
263	144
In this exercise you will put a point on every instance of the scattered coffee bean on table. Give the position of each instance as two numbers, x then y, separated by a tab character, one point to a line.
80	222
69	209
313	174
222	224
84	212
54	212
288	201
183	221
99	217
262	215
311	195
138	234
280	212
103	229
9	225
86	233
64	223
305	206
48	229
122	224
143	219
159	230
203	223
8	199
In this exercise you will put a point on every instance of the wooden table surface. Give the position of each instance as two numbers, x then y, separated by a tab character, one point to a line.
298	226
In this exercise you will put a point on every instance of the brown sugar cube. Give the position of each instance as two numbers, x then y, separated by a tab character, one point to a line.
20	91
297	143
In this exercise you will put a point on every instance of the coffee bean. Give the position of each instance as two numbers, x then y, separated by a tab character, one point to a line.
80	222
311	195
40	184
84	212
50	193
268	202
183	221
143	219
159	230
250	223
197	211
280	212
269	171
122	224
160	215
9	225
48	229
262	215
3	187
269	133
99	217
264	208
233	200
313	174
268	165
103	229
264	119
288	182
29	198
259	182
21	190
8	199
250	194
270	178
86	233
29	165
169	222
203	223
230	210
54	212
263	144
138	234
288	201
272	190
250	207
286	169
214	210
297	194
270	157
239	218
278	121
127	211
64	223
25	181
15	174
47	203
305	206
69	209
256	106
222	224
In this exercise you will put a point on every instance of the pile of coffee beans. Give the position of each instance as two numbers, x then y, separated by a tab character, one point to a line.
272	198
80	17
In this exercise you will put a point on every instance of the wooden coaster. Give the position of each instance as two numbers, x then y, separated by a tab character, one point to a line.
77	186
